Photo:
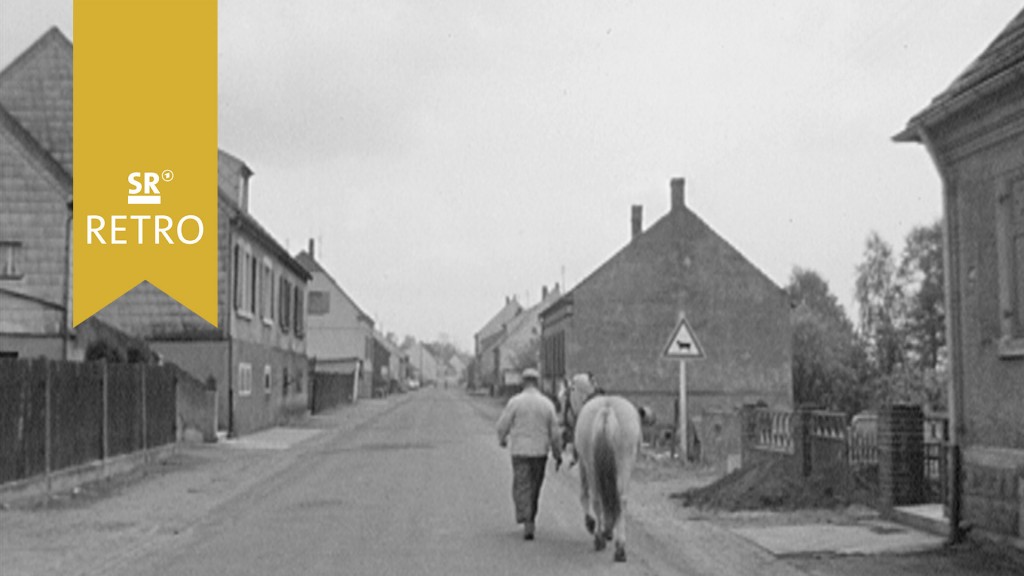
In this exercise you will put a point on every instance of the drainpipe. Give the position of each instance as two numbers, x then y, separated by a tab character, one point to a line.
65	331
951	262
229	321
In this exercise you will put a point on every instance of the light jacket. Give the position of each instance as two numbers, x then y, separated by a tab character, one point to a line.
530	425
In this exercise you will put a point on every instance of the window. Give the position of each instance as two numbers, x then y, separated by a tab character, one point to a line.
285	308
10	260
254	284
267	296
244	379
298	311
245	281
319	302
266	379
1010	246
239	273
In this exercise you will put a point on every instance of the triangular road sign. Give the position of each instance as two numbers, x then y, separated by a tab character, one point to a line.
683	344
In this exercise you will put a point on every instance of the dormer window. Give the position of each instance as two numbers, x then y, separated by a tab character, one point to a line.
243	191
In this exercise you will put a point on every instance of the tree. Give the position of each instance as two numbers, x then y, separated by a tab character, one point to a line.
408	342
923	285
902	318
828	359
526	356
880	299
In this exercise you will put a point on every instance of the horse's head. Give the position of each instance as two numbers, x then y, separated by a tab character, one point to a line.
580	389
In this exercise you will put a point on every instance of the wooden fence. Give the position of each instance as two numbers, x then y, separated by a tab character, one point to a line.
57	415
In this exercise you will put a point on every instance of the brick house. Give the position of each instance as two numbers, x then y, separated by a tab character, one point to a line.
341	335
35	210
256	355
615	322
974	132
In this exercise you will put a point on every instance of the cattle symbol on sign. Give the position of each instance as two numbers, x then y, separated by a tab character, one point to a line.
683	344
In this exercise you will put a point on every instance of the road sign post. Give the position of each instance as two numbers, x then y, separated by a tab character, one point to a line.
683	346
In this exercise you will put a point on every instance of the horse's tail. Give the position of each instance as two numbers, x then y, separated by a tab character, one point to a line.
605	469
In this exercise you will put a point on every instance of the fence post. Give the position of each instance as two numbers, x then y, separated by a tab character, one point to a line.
105	427
28	393
48	422
747	432
145	424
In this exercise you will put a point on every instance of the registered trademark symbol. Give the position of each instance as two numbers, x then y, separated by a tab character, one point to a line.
167	175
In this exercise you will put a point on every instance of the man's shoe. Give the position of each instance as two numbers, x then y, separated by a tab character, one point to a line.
528	531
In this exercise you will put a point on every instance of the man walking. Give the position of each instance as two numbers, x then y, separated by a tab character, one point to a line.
529	419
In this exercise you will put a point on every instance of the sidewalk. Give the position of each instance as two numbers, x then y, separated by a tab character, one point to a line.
845	542
86	532
849	542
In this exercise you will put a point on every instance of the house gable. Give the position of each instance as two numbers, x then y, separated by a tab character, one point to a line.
34	195
616	321
36	88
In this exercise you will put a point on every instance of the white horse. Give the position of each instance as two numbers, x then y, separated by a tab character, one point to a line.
606	439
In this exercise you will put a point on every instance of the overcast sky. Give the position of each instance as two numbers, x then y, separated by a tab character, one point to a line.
449	154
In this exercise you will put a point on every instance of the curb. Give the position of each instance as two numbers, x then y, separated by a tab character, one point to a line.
43	486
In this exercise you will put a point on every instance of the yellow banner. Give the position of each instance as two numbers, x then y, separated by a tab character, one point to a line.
145	152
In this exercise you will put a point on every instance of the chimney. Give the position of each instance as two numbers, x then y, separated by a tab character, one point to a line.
678	193
638	220
311	254
543	292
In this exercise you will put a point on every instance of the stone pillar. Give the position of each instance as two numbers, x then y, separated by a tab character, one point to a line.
801	427
901	455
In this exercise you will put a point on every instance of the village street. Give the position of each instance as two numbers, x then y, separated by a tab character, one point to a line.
414	484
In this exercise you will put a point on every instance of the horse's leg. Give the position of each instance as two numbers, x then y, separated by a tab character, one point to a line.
588	520
599	528
598	520
620	532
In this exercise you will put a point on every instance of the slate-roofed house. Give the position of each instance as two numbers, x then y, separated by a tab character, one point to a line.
974	132
615	323
484	340
256	356
35	208
341	335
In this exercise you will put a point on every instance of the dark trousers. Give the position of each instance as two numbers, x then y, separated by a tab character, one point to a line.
527	478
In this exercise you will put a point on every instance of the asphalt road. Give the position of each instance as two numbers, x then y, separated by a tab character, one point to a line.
422	488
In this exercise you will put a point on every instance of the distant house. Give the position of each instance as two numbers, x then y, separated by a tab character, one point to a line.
256	356
974	132
487	356
616	322
517	345
341	335
423	365
396	369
